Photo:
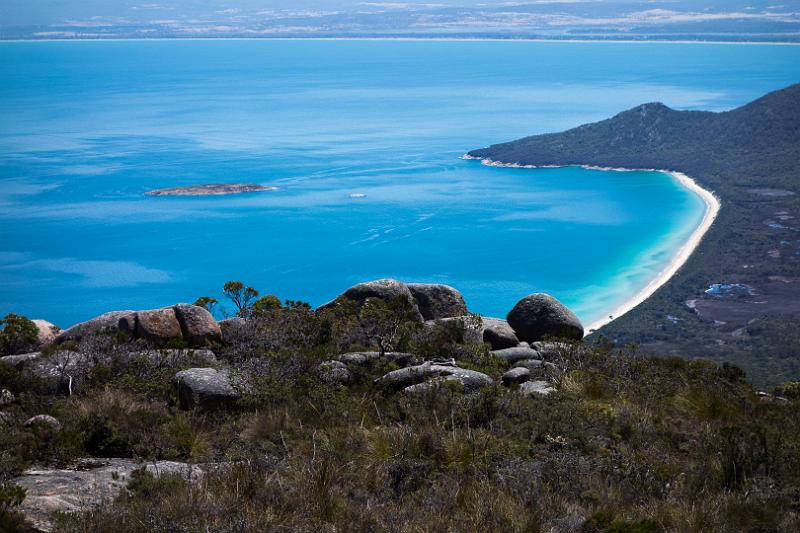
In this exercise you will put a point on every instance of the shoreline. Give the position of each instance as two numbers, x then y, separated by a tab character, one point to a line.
678	258
442	39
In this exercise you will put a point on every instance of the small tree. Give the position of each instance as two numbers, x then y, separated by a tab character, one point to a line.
266	305
207	302
241	296
387	324
18	334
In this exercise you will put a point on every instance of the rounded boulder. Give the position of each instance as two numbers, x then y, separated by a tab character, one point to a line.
158	325
197	325
437	301
388	290
540	315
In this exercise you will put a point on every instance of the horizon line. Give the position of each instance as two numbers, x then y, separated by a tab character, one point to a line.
442	39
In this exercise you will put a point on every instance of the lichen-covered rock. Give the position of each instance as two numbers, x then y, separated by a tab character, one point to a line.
47	332
516	376
437	301
6	397
362	358
43	420
387	290
85	486
111	322
498	334
551	349
335	372
197	325
22	360
158	325
539	315
206	388
405	377
543	388
518	353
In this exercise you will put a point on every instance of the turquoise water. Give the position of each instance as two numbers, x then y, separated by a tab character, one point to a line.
87	127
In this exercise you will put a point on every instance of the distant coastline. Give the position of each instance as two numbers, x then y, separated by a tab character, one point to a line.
440	39
679	257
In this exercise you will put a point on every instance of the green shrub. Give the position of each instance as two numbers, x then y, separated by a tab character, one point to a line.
18	335
11	497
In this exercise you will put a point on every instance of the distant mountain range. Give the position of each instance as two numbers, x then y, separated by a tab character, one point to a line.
750	158
707	20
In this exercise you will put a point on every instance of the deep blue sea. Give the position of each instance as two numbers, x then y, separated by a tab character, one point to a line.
87	127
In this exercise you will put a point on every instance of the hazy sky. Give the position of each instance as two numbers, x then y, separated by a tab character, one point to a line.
309	16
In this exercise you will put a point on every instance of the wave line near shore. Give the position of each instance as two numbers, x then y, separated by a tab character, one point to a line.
679	257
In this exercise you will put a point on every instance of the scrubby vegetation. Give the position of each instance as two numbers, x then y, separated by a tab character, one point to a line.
627	443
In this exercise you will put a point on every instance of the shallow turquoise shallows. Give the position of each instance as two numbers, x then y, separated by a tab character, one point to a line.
87	127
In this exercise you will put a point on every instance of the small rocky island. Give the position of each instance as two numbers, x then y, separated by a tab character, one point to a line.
213	189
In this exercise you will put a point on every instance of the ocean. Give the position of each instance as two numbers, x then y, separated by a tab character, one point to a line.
363	140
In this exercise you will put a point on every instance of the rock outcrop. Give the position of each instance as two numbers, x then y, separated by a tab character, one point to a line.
22	360
111	322
540	315
158	325
437	301
413	375
183	322
335	372
542	388
44	420
387	290
85	486
47	332
206	388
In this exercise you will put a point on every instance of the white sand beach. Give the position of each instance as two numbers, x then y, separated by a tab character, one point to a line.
680	256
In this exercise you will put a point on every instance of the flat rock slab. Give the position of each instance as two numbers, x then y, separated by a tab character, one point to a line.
541	388
519	353
21	360
85	487
406	377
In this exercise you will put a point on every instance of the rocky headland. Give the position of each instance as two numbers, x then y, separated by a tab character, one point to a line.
748	157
